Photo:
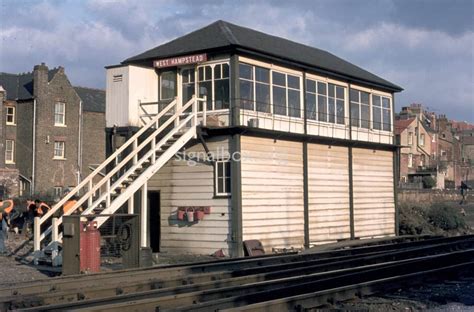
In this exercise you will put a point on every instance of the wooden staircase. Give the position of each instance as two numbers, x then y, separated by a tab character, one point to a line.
128	170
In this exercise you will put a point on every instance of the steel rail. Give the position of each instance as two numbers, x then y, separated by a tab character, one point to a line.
328	297
75	281
65	282
234	296
253	276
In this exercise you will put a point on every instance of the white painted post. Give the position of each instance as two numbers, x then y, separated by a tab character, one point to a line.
153	148
131	203
107	190
36	234
176	115
195	110
144	217
204	111
90	194
55	230
135	146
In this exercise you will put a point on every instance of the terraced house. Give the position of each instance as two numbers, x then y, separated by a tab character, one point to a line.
235	135
51	132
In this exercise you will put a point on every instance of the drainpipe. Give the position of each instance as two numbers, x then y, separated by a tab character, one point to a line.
79	146
32	188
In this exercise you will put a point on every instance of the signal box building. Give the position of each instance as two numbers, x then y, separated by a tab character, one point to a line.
296	147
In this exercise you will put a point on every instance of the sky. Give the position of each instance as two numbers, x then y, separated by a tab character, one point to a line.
425	46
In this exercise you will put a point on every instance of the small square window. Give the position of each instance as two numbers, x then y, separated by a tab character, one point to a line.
222	173
59	114
10	115
59	150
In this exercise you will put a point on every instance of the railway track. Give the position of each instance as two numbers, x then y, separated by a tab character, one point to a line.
279	282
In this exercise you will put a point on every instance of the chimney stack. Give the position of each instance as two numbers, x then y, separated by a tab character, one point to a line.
40	79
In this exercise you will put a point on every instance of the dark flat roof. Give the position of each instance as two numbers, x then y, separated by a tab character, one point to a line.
224	35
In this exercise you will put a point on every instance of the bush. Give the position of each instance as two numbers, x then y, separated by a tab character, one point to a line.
429	182
445	217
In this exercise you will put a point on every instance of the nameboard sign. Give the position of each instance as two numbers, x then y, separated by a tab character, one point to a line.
180	60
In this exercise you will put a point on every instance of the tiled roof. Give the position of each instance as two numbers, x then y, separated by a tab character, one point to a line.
93	100
402	124
20	86
222	35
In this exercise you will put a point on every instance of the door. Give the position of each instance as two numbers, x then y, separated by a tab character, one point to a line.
154	220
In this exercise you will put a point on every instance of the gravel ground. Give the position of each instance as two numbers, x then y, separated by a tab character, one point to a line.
452	295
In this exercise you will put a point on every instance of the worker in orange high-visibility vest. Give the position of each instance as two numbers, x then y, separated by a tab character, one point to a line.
7	207
41	208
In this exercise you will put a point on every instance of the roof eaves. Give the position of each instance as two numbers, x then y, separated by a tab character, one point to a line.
321	70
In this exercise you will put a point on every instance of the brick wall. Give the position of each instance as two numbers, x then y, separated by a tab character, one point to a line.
9	180
52	172
93	145
427	196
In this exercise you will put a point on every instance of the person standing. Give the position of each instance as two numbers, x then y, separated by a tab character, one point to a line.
4	228
464	188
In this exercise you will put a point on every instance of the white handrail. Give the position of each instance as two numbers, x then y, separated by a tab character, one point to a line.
117	167
104	164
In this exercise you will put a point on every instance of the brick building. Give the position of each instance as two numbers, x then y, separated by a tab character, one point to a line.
51	132
448	155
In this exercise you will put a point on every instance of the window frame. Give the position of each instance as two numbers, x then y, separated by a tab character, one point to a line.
212	100
63	150
60	114
58	191
382	110
316	94
217	178
422	139
359	107
12	115
271	87
410	160
9	160
410	138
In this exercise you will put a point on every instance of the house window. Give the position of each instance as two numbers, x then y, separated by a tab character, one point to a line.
360	108
59	147
325	102
58	191
422	139
59	114
381	113
213	81
260	87
10	152
188	79
422	160
222	183
167	85
410	138
10	115
410	160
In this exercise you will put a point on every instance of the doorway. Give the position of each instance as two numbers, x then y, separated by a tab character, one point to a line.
154	220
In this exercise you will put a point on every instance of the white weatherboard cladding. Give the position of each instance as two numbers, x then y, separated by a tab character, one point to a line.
116	99
183	185
374	204
126	86
272	192
328	198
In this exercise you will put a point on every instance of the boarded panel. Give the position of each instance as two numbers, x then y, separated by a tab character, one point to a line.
272	192
328	183
374	205
191	183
